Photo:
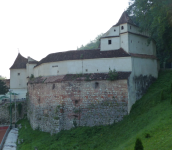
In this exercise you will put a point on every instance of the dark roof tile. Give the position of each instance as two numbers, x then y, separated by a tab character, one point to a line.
83	54
19	63
77	77
124	19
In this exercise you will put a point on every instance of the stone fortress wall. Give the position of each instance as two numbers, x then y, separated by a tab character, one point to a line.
54	106
5	112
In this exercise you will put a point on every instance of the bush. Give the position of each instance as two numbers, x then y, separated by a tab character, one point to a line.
112	75
138	145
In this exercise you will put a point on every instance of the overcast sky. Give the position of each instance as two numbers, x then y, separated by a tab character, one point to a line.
41	27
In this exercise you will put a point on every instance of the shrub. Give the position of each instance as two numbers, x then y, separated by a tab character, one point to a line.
138	145
112	75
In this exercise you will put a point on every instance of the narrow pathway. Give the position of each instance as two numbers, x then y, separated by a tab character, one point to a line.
10	143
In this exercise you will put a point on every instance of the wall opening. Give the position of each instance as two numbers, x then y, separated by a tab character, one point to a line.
96	85
122	27
86	70
76	102
53	86
114	30
109	41
18	74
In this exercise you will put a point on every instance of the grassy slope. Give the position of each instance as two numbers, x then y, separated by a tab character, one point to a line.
148	115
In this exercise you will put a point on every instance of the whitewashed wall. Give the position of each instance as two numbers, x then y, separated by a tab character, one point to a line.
30	69
124	41
136	30
113	31
89	66
125	28
139	45
18	81
144	67
115	43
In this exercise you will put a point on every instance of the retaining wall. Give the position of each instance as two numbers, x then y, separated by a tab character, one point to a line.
63	105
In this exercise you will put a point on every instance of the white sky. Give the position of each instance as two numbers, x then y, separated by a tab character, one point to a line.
41	27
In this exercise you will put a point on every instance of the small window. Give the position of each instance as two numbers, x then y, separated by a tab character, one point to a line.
86	70
114	30
97	70
57	71
138	41
131	41
130	27
109	41
122	27
18	74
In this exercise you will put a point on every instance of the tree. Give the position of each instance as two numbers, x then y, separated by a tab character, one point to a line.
138	145
94	44
2	78
155	16
3	87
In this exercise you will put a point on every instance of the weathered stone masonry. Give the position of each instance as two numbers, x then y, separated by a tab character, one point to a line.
5	112
64	104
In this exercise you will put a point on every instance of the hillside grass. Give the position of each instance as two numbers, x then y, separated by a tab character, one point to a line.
150	120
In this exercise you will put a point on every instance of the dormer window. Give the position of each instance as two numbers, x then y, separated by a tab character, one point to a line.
122	27
109	42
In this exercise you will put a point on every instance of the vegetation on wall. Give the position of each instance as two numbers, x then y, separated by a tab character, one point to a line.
19	108
155	16
112	75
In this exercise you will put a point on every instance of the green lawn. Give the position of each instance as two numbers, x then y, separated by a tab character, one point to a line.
149	116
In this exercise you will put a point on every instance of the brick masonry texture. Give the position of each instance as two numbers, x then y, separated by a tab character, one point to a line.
56	106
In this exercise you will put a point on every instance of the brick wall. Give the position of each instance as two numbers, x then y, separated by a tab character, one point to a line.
63	105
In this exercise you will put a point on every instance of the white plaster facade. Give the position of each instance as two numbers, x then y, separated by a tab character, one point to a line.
19	75
125	35
83	66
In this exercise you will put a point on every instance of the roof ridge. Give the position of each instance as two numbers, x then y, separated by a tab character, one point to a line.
125	18
20	62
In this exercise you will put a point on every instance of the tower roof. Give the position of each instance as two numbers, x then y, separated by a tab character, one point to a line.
124	19
19	63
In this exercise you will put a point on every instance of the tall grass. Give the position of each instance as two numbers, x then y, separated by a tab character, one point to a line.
149	116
